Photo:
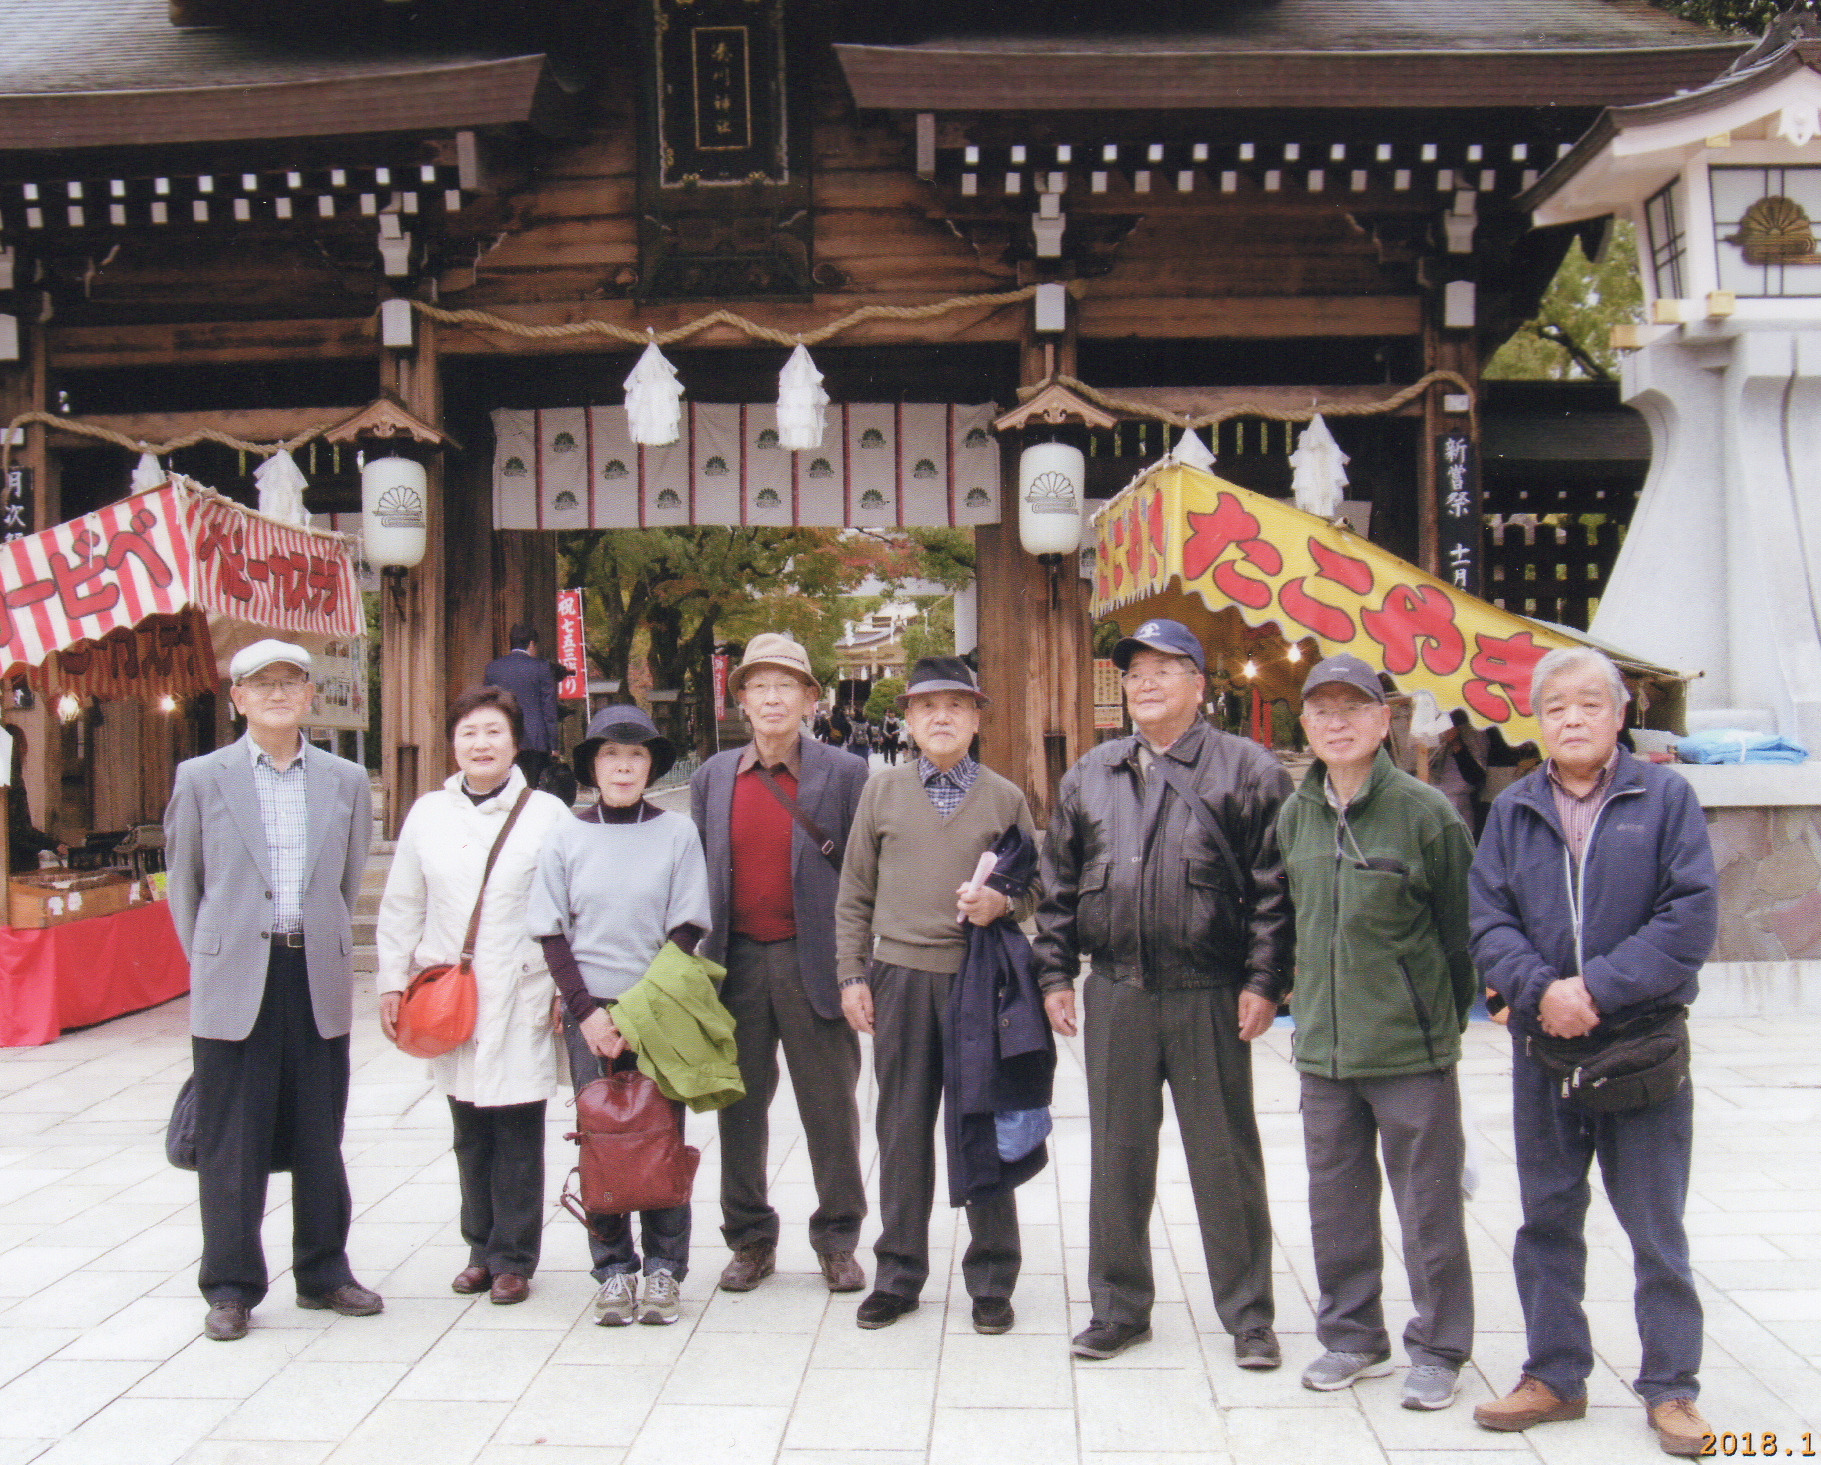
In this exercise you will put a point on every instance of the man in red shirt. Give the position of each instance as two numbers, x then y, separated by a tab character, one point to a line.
774	817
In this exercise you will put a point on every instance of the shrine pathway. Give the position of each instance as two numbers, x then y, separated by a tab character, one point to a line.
100	1358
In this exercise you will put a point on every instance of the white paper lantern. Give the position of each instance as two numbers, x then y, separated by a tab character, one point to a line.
1051	480
393	497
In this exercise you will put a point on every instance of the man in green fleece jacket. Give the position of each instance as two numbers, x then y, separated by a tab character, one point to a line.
906	886
1377	864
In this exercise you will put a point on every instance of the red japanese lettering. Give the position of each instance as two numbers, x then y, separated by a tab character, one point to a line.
134	543
1329	622
1342	569
1415	621
1212	535
77	592
222	543
1502	667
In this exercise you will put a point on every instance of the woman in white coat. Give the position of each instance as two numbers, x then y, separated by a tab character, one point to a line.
497	1081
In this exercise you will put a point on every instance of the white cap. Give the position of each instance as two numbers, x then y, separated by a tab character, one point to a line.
261	654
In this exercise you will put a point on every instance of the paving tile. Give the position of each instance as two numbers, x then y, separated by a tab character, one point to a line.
146	1431
709	1434
1006	1371
478	1365
311	1401
208	1370
1147	1410
993	1436
258	1452
498	1454
52	1399
149	1327
1333	1437
861	1409
421	1432
567	1405
738	1369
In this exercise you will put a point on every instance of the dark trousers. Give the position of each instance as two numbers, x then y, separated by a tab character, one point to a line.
1644	1160
1416	1120
1136	1041
664	1235
279	1094
764	992
499	1155
909	1011
532	762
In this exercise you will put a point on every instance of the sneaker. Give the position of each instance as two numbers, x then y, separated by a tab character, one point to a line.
1680	1428
1431	1386
1257	1348
661	1298
1531	1402
1337	1370
617	1301
1108	1340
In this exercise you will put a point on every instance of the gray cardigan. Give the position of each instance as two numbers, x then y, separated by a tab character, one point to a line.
829	792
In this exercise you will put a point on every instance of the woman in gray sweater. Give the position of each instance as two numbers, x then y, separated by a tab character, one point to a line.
613	885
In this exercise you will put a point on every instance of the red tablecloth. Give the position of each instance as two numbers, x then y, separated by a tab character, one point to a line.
86	972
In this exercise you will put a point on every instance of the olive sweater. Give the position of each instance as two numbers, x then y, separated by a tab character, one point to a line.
904	864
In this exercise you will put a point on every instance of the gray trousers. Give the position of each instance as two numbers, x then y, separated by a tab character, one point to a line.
1416	1120
764	992
1136	1041
909	1010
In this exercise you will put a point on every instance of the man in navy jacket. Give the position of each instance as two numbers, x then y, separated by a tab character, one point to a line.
525	674
1594	902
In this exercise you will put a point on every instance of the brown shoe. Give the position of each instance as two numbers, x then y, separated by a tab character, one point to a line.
470	1280
226	1322
509	1288
350	1300
841	1271
751	1265
1679	1426
1531	1402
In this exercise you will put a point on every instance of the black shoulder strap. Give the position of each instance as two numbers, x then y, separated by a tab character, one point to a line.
827	846
1170	774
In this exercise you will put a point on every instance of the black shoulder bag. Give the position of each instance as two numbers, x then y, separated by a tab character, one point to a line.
830	850
1198	806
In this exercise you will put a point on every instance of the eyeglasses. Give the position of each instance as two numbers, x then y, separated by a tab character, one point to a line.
783	686
1154	678
275	687
1336	714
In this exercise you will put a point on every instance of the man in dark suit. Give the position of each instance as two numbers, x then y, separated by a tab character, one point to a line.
774	817
525	674
265	841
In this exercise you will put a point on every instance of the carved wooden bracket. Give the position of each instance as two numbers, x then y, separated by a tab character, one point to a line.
1055	403
385	418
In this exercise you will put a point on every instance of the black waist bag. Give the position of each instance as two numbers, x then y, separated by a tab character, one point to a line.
1641	1062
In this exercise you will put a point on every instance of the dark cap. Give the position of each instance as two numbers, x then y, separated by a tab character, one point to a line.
1172	638
1348	671
622	724
940	674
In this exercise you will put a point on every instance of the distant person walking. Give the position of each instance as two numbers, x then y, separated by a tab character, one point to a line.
533	681
265	841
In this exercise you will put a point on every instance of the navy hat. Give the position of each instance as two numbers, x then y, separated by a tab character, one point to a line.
622	724
1172	638
1348	671
940	674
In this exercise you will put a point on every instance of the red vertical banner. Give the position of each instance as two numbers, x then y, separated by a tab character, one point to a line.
722	664
571	645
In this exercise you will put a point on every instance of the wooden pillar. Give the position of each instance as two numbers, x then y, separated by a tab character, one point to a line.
413	676
1036	645
1443	350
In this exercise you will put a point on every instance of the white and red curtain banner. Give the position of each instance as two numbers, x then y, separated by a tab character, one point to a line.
571	645
160	552
881	465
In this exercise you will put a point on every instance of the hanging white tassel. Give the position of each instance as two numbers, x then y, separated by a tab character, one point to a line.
801	403
1191	451
148	472
281	488
654	400
1320	471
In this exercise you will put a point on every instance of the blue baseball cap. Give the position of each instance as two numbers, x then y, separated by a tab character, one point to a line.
1347	671
1172	638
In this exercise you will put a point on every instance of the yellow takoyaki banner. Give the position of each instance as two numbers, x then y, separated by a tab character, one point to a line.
1274	564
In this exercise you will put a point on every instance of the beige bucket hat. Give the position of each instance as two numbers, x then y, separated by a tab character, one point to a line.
771	649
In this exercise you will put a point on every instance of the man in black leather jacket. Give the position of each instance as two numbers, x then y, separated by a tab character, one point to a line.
1183	915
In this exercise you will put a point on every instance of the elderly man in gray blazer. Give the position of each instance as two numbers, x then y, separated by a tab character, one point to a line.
265	841
774	817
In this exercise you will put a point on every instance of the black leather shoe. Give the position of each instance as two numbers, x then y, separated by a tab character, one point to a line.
350	1300
226	1322
1108	1340
882	1309
993	1315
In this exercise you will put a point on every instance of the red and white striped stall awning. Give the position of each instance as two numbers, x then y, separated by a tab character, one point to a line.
157	592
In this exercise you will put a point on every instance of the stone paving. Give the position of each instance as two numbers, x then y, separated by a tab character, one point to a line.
100	1358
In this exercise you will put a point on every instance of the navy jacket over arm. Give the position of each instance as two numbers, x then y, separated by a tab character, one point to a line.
1651	904
533	681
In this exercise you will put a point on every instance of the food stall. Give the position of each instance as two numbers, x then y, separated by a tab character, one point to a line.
148	598
1270	589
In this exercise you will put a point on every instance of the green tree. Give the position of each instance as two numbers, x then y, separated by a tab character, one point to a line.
933	632
1569	338
1749	16
883	697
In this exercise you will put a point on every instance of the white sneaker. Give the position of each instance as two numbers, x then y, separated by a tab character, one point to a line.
661	1299
1430	1386
617	1301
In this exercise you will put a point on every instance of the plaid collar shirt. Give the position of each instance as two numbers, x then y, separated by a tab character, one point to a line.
284	814
947	790
1579	812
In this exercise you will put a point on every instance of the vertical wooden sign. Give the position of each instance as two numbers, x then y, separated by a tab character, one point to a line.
1460	522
